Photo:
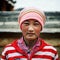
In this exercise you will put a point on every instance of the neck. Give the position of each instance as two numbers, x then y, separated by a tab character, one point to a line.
30	43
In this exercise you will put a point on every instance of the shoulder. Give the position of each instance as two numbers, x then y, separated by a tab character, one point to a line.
47	49
9	47
51	51
47	46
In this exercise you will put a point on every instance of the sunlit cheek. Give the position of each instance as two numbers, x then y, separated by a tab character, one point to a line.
24	30
37	31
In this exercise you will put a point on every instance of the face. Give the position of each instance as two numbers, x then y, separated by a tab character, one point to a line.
31	29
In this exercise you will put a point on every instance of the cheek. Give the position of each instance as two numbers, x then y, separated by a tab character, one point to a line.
37	30
24	29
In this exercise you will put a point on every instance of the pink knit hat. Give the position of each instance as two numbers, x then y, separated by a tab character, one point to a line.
31	13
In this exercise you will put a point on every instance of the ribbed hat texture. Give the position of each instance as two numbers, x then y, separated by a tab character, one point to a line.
31	13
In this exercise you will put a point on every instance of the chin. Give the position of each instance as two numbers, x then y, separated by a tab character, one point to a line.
31	38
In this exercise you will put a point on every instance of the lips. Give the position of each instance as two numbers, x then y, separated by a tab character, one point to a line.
31	34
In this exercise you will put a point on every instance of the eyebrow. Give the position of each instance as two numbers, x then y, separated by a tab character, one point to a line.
33	19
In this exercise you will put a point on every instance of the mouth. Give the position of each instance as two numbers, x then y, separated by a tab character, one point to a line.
31	34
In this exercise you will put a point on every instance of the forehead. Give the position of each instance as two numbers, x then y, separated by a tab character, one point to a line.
31	20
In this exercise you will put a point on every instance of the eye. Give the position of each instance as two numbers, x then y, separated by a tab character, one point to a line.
36	23
26	23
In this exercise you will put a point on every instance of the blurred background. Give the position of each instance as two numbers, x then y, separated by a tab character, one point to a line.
9	28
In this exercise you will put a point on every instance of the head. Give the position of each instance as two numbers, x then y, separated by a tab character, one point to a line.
31	22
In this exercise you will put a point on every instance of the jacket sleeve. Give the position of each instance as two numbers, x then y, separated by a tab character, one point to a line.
56	57
4	54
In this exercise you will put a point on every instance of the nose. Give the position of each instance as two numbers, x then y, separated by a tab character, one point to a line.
30	28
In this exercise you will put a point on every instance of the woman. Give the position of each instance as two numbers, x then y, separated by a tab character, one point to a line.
30	46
